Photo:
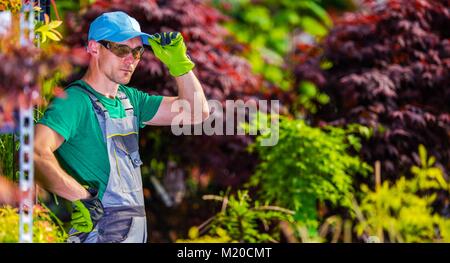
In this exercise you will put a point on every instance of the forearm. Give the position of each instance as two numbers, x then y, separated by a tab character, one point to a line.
53	178
190	90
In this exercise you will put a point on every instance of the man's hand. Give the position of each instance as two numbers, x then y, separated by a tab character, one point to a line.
169	47
87	212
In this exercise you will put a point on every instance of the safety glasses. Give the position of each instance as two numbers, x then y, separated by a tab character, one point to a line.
122	50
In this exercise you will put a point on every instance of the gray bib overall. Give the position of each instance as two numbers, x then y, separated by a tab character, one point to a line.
124	220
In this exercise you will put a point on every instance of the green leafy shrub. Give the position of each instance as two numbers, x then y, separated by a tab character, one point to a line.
306	166
44	229
241	221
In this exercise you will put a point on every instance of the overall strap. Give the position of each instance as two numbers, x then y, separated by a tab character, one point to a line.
129	110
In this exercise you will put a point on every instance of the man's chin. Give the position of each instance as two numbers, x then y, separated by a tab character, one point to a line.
123	81
124	78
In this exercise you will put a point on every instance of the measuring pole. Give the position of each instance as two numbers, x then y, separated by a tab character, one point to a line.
26	134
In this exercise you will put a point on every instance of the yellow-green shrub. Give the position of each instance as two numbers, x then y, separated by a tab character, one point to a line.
44	229
403	212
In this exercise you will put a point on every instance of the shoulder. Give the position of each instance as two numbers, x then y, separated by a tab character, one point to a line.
66	112
76	94
73	99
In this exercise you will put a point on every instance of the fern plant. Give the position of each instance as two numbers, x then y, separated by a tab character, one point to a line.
241	220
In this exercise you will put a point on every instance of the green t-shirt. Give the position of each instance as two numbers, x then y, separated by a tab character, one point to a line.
83	153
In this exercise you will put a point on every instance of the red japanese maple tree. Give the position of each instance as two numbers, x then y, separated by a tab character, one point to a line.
391	71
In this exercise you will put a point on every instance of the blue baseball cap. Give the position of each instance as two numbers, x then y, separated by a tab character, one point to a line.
116	27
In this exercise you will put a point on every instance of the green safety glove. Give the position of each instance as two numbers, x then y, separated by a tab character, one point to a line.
169	47
86	212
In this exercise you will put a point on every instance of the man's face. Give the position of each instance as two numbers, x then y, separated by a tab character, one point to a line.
119	69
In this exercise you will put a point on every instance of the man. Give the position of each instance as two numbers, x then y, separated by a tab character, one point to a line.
93	132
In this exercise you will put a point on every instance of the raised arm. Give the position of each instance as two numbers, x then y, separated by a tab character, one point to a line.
190	91
191	101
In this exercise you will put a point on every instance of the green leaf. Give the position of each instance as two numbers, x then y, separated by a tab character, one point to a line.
54	24
44	38
307	89
273	74
323	98
43	28
423	155
287	16
57	33
318	11
52	36
431	161
193	232
259	16
326	64
311	26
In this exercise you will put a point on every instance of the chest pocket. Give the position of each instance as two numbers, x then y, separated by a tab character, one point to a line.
128	162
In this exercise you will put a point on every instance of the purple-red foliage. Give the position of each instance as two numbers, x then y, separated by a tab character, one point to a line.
22	70
391	71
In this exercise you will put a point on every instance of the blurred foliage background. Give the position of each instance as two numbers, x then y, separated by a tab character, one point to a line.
363	152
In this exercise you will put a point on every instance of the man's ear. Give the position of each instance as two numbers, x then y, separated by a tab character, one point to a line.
93	48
